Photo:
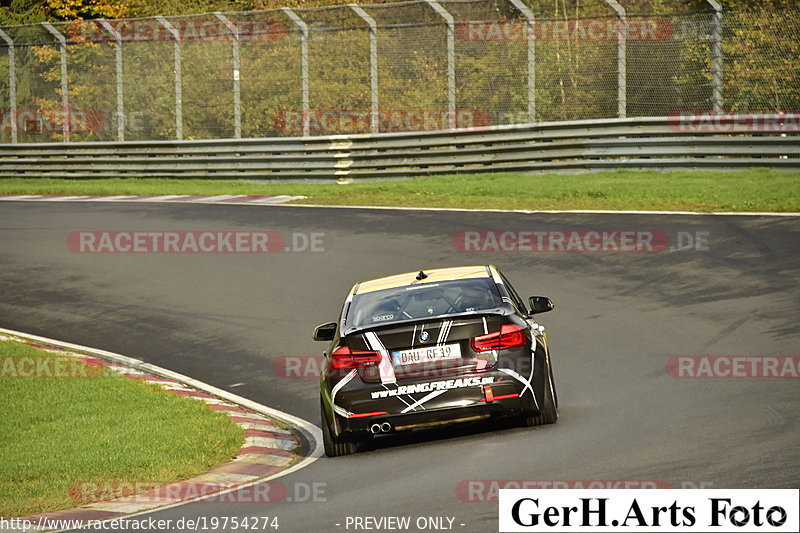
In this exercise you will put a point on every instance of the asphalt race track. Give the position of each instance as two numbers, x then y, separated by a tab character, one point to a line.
619	318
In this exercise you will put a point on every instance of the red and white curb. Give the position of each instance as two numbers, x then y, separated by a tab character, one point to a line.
268	452
242	199
282	199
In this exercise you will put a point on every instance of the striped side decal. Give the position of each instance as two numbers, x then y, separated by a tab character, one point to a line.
385	367
422	400
528	383
341	411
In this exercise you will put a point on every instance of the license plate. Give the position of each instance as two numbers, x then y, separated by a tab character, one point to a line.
426	355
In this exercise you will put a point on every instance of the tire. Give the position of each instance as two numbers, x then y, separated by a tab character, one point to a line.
549	409
333	446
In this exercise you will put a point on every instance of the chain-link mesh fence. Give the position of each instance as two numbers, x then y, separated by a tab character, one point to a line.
408	66
272	72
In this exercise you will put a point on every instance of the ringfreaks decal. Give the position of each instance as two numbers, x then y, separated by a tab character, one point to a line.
431	386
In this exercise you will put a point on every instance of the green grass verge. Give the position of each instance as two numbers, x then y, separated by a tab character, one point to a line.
59	431
743	190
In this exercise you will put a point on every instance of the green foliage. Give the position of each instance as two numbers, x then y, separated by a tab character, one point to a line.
762	70
575	78
33	11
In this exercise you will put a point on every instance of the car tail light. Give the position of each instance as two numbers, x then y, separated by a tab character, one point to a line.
509	336
366	358
343	357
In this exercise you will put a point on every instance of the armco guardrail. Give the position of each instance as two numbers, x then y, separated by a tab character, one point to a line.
728	141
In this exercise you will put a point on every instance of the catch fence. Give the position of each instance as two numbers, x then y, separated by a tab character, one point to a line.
395	67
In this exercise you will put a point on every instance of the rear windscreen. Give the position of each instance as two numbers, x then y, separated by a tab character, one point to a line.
423	301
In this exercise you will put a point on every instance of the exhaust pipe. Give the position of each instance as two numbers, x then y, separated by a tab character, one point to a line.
385	427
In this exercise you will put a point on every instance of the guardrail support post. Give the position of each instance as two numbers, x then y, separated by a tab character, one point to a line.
716	58
12	84
451	60
622	67
303	67
373	66
530	39
176	52
237	102
118	77
62	45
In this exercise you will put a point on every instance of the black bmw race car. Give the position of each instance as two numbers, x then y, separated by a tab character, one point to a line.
429	348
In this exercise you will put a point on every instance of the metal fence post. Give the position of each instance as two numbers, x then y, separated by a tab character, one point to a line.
62	45
530	38
303	67
237	105
12	84
373	66
622	67
716	58
451	60
118	77
176	51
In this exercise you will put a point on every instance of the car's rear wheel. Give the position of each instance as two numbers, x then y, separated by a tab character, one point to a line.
333	446
548	414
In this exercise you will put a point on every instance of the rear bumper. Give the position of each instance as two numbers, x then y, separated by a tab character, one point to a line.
473	398
431	418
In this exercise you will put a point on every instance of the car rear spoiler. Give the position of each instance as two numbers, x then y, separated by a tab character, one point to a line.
505	310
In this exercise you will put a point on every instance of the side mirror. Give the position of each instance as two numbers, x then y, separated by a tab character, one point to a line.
325	332
540	304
